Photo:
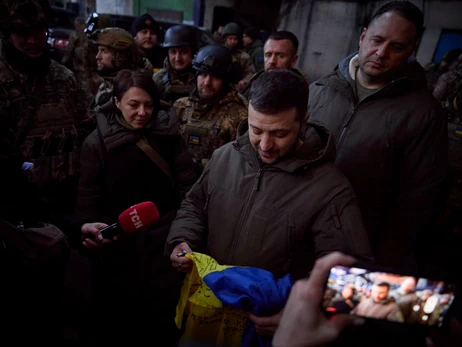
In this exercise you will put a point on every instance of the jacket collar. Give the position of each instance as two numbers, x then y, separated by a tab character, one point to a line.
115	135
410	77
318	147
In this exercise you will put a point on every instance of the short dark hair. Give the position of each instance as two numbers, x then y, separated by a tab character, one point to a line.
126	79
278	90
285	35
405	9
383	284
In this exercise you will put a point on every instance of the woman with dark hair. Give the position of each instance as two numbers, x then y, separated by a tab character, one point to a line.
135	288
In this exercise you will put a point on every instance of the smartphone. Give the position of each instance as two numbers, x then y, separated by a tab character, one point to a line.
387	296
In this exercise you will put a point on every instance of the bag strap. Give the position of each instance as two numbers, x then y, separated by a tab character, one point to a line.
155	157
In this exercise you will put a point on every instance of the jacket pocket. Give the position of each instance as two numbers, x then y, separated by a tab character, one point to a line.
257	232
265	241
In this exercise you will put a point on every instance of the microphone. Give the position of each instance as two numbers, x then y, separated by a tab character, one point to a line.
136	217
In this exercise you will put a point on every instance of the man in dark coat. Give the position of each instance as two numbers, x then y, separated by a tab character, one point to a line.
390	133
271	199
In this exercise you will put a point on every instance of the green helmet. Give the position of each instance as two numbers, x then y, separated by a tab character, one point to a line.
121	41
113	37
231	29
23	14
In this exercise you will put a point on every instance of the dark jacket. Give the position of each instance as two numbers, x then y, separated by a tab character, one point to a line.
392	147
129	176
277	217
132	276
156	57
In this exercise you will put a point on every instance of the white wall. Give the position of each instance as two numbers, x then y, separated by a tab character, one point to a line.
115	6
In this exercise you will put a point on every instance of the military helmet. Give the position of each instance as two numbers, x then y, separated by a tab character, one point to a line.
180	35
231	29
23	14
113	37
219	61
121	41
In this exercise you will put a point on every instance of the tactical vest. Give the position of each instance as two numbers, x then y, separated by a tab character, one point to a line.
200	127
175	91
43	125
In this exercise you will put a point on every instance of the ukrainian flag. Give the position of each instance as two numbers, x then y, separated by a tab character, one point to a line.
458	131
215	299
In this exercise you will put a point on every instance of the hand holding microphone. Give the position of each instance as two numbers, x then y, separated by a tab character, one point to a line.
134	218
92	236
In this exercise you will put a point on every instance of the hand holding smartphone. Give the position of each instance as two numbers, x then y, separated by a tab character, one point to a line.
387	296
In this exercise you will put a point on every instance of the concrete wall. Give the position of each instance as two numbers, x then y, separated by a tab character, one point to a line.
329	30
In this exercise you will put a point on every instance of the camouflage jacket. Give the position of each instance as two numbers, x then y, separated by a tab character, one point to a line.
41	120
448	90
205	126
245	62
173	85
76	56
145	64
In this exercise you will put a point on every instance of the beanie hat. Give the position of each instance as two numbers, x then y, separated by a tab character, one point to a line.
144	22
251	32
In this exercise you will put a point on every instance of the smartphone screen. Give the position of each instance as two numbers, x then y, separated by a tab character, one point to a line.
392	297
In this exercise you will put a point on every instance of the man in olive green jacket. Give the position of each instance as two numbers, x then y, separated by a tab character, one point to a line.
270	199
390	133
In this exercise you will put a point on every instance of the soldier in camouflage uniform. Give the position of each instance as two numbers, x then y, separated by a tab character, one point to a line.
76	56
210	116
434	70
448	90
42	106
232	35
177	79
116	51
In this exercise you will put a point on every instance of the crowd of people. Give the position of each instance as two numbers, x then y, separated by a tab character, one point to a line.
386	296
246	160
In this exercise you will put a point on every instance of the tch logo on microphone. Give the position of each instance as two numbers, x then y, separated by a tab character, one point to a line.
137	223
139	216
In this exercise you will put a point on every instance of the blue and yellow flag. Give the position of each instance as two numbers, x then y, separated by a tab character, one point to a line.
215	300
458	131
